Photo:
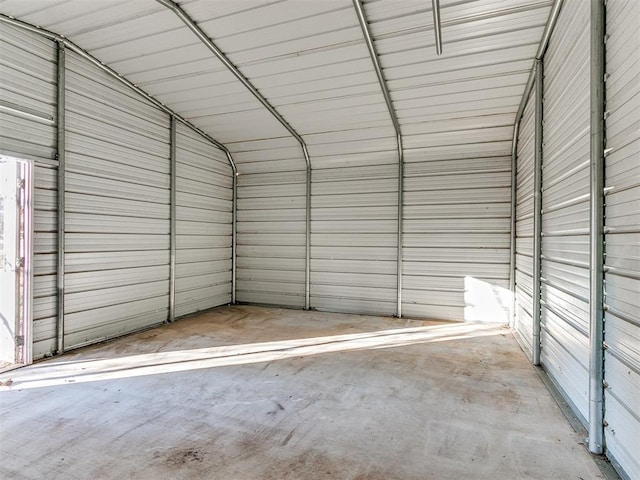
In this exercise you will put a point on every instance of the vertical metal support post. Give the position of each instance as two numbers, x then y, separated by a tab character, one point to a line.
60	140
512	236
537	212
29	263
307	262
596	239
512	228
437	26
400	215
172	221
234	226
234	240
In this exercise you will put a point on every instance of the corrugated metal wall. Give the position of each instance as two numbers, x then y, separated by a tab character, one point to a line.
456	230
28	131
271	223
622	227
354	237
456	115
117	208
524	227
204	184
565	206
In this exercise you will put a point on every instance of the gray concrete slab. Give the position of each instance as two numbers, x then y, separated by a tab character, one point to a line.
255	393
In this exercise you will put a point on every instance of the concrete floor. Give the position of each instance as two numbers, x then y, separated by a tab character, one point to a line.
254	393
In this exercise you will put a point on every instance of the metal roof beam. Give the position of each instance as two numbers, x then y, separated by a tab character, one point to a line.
362	18
188	21
86	55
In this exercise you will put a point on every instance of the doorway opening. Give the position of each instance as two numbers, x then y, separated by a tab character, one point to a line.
16	258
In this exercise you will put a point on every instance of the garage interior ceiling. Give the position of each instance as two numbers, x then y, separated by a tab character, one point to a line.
496	182
310	61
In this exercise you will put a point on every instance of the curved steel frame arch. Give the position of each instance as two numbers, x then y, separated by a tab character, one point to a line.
64	43
188	21
362	18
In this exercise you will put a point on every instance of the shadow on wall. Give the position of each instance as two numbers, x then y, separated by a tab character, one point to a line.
486	302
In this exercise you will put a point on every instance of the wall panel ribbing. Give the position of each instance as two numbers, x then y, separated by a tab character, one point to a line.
565	206
622	239
354	237
28	131
456	231
117	208
203	221
524	227
271	212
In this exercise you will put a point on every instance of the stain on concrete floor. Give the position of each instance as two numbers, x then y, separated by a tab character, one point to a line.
255	393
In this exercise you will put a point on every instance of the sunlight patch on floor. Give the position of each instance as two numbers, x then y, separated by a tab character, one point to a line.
54	373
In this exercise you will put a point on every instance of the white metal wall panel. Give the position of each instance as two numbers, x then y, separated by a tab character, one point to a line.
456	113
28	131
354	238
622	221
456	236
565	206
524	227
117	208
45	257
27	97
271	216
204	193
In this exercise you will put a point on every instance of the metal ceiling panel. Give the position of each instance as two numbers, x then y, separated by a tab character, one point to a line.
309	60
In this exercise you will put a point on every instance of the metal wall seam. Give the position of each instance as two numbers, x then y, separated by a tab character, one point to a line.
172	219
362	19
182	15
537	212
61	67
596	240
72	46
